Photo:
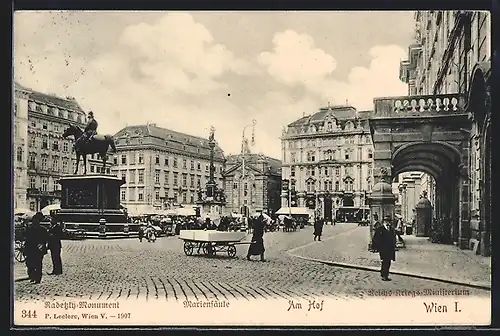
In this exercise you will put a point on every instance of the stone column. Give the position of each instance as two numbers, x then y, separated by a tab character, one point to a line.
464	230
382	199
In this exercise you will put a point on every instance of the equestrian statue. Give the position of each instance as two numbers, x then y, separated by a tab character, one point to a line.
89	142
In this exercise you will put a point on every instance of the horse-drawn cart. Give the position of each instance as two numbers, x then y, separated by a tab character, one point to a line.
211	242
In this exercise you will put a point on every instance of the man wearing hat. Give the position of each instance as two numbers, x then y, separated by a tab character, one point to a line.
90	129
384	241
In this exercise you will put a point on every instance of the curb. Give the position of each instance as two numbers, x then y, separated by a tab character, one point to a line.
408	274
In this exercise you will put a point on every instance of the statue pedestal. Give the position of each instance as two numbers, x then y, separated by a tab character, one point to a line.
92	203
211	208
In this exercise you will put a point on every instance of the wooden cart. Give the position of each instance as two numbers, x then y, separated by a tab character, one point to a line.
210	244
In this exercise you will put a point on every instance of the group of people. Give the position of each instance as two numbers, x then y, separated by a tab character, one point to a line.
38	241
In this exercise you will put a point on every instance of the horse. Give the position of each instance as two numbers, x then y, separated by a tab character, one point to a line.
98	144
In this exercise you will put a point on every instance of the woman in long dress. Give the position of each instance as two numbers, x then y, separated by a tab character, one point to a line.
257	245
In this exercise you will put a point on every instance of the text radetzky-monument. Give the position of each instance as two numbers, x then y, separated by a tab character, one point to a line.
92	202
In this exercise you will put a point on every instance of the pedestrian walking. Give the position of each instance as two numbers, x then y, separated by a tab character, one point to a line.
35	248
141	232
384	241
257	245
55	246
318	228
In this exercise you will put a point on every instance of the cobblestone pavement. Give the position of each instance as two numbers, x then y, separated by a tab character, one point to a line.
420	257
128	269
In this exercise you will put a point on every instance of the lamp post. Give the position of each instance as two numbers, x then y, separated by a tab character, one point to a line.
244	150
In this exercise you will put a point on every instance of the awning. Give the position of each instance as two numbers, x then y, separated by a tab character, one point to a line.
294	211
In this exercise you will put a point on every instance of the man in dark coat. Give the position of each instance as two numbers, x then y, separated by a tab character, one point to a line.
384	241
90	129
35	248
257	245
318	228
54	245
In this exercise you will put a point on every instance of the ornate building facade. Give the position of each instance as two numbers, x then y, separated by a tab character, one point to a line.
252	185
452	55
41	154
328	158
162	167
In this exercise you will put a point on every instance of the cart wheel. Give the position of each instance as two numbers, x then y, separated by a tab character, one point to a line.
188	248
19	252
208	249
231	251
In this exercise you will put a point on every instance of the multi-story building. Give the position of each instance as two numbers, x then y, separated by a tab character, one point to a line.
252	183
46	154
452	54
162	167
328	156
20	142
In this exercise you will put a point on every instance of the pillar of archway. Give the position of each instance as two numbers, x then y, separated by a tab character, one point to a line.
382	200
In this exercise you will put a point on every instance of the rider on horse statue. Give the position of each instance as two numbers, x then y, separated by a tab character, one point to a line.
90	130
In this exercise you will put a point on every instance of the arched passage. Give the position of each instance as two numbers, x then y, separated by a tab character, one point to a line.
442	162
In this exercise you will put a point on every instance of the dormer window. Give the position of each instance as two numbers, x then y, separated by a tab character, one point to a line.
349	126
44	108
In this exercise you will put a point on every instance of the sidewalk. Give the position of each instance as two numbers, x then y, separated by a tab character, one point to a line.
420	258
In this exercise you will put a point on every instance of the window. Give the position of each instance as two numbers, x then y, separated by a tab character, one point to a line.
192	199
45	183
370	171
176	179
165	177
141	158
166	161
157	176
199	166
184	164
19	154
108	171
65	165
92	168
131	176
32	161
326	171
370	154
347	154
184	180
122	194
337	171
44	162
235	185
55	163
32	182
191	180
292	171
206	167
157	159
33	124
141	176
115	160
45	126
337	185
198	181
157	194
175	162
45	143
55	145
141	195
124	159
192	164
293	157
184	198
123	174
66	148
32	141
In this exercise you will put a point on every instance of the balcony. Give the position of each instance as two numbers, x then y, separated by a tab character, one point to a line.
419	106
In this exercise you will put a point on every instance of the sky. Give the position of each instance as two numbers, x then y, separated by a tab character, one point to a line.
188	71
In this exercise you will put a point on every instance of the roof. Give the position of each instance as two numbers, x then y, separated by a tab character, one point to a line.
68	103
337	112
165	134
275	164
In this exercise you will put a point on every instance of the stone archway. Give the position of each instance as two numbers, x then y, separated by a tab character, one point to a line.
427	134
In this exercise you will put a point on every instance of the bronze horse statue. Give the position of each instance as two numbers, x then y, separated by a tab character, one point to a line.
98	144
